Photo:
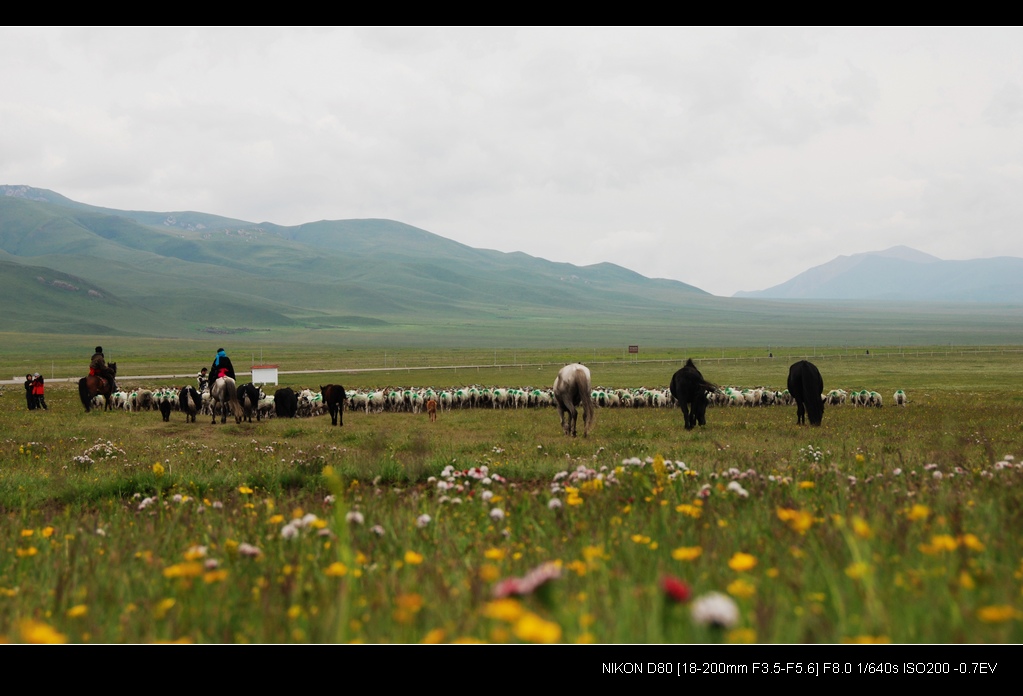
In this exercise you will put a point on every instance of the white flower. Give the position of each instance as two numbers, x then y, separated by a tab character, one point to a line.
249	550
715	609
735	486
897	472
101	532
217	505
377	529
936	474
354	516
554	503
487	495
423	520
289	531
329	499
211	564
497	514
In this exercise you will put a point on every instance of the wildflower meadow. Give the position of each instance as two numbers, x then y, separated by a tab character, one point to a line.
896	524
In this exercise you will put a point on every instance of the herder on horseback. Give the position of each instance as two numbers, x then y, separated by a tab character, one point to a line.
98	367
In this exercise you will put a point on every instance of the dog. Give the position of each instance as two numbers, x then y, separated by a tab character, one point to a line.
431	409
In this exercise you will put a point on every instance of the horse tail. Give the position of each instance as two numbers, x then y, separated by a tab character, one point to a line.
588	411
83	393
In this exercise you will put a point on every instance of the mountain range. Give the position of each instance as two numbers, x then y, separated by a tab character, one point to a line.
72	268
904	274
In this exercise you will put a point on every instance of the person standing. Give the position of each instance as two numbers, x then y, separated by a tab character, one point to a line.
222	366
38	391
203	379
29	396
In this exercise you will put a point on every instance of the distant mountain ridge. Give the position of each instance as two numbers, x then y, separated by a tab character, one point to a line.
80	270
182	272
904	274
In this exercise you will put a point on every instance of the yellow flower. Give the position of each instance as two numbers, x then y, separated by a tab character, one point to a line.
413	558
741	635
508	610
806	484
857	571
77	611
687	553
868	640
741	589
797	520
27	532
742	561
939	543
489	572
577	566
163	606
48	532
336	570
244	490
213	576
433	637
534	629
689	510
918	512
592	553
494	554
971	542
860	458
188	569
861	528
27	552
966	581
275	519
38	632
158	469
640	539
997	614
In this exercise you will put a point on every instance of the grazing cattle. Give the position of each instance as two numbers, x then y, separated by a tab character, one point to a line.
224	393
807	387
690	389
286	402
334	395
431	409
189	403
166	406
571	389
248	397
900	398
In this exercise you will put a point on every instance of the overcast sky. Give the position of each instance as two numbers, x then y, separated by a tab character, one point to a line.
730	159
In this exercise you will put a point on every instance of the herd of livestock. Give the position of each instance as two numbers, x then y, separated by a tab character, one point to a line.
286	402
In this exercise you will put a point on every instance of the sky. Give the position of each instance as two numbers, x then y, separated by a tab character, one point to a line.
727	158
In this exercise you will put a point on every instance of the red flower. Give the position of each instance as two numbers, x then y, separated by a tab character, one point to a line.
675	589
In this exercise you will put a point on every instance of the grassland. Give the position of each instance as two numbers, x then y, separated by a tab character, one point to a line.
892	524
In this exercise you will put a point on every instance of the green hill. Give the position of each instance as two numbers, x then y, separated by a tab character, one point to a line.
185	274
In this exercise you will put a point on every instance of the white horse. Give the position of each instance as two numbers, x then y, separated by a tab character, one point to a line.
572	388
224	393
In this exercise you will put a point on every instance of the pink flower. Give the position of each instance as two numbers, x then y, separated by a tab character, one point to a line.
529	583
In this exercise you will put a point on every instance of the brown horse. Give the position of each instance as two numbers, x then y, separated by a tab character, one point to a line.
334	395
94	385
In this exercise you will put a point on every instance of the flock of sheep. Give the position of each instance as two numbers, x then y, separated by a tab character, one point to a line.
414	400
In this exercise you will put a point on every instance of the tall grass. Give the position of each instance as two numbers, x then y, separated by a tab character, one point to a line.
892	524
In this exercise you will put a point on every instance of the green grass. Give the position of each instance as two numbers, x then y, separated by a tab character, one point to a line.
117	549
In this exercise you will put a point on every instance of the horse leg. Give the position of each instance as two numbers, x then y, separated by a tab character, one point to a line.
800	413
